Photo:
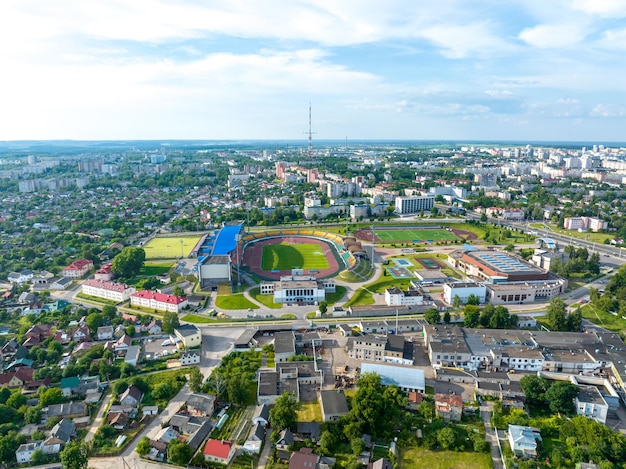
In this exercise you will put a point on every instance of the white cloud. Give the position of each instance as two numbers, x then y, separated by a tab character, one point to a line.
608	110
613	39
602	8
553	36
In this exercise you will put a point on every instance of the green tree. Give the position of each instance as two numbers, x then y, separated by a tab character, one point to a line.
285	412
32	415
143	447
456	301
178	291
560	396
326	443
473	300
7	414
446	438
109	311
446	317
128	262
94	321
556	314
575	320
51	396
170	322
38	458
471	315
195	379
322	307
534	388
432	316
74	455
16	400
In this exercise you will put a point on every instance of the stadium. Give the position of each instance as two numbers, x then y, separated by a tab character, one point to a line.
272	254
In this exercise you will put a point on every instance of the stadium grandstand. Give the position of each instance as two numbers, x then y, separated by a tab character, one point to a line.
217	255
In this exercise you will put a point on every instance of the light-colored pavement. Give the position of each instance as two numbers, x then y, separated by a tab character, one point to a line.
491	435
104	404
267	449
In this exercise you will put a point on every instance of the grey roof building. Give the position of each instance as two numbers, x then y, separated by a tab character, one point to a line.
333	404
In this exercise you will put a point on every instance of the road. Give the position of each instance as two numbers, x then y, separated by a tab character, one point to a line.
491	435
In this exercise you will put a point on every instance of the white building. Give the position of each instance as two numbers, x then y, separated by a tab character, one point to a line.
108	290
158	301
25	452
300	290
584	223
523	441
414	204
590	403
397	297
463	290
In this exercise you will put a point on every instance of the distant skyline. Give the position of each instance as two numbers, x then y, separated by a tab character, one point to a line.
534	70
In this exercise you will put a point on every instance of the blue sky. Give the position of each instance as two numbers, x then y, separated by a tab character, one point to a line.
247	69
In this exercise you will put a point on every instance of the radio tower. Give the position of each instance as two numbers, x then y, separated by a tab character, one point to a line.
310	134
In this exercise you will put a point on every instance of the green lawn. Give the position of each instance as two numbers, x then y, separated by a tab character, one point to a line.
284	256
171	247
150	269
363	296
588	236
606	320
418	458
267	300
310	412
236	301
425	234
332	298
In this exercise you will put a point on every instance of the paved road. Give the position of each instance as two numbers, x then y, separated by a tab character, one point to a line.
267	449
491	435
104	403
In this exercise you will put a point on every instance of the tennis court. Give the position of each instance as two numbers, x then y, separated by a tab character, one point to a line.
415	235
399	272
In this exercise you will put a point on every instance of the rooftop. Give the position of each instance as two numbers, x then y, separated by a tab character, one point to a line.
226	240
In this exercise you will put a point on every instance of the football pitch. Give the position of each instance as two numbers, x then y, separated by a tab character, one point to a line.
170	247
285	256
417	235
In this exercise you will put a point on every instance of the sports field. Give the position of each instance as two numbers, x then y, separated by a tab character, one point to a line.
170	247
285	256
416	235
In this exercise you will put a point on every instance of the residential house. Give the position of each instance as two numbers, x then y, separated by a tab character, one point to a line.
189	357
200	404
303	459
108	290
190	336
449	406
523	440
132	396
133	355
69	385
195	429
24	453
255	439
285	440
122	344
68	410
118	420
166	435
150	410
261	415
78	268
60	434
334	404
20	277
155	327
105	333
590	403
17	379
81	334
196	439
381	463
219	451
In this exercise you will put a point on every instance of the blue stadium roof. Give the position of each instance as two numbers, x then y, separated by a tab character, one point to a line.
226	241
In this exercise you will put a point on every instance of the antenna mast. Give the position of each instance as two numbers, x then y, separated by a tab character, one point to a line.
310	134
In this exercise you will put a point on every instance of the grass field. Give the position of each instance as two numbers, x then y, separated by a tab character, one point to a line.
415	235
310	412
267	300
171	247
236	301
284	256
415	458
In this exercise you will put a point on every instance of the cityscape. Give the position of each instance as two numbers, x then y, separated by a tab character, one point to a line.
303	234
251	303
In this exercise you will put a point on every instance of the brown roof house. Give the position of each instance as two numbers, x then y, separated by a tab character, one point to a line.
449	406
132	396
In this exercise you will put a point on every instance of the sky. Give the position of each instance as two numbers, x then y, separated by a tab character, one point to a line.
370	69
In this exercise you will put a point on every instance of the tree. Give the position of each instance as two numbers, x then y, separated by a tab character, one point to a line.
560	396
472	315
74	455
237	389
38	458
170	322
432	316
7	414
109	311
575	320
556	314
446	438
128	262
534	388
17	400
32	415
323	307
195	379
179	452
285	412
456	301
446	317
473	300
94	321
178	291
51	396
326	443
143	447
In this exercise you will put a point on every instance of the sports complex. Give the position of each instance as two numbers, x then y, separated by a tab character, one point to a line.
414	234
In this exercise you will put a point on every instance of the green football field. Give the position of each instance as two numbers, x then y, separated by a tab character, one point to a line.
284	256
170	247
426	234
